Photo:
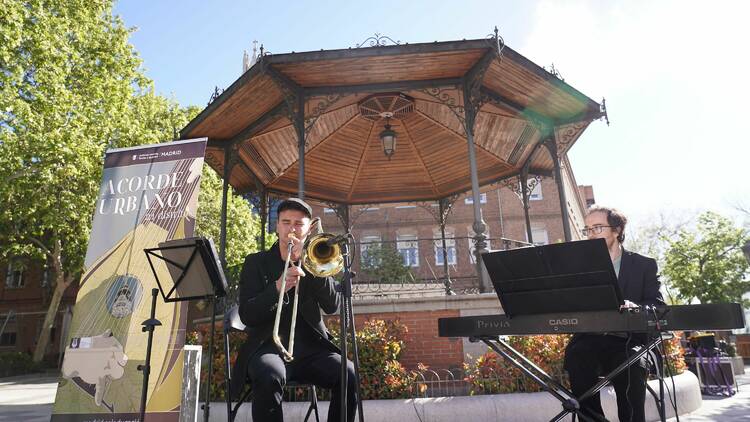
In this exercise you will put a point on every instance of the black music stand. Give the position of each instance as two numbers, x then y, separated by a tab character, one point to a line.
552	279
196	273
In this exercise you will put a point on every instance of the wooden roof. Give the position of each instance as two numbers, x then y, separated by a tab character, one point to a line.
344	160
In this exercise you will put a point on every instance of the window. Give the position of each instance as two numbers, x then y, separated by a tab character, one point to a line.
408	247
273	216
368	242
539	235
14	276
450	247
8	339
470	200
536	193
472	256
45	277
403	207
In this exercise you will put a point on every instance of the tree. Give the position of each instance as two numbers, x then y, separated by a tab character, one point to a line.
653	239
71	86
384	263
708	264
67	75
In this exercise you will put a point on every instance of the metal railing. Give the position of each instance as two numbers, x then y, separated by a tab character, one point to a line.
429	383
417	267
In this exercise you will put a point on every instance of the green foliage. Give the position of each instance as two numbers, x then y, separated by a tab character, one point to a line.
674	355
16	363
243	227
490	374
708	264
383	263
380	345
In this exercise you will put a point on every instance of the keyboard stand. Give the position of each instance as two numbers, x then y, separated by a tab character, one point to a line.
570	402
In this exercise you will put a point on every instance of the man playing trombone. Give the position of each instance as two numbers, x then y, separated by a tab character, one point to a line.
312	358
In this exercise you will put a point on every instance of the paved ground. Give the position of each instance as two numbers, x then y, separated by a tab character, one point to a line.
735	408
30	398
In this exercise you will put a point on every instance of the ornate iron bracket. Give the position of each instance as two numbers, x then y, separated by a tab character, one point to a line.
448	203
321	107
378	40
566	135
447	100
514	184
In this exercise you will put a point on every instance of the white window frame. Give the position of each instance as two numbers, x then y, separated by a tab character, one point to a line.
408	246
11	282
539	234
536	193
469	200
365	243
450	245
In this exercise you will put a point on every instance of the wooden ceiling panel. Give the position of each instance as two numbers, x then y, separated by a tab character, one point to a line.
403	171
499	135
441	115
391	68
250	102
278	148
552	98
327	123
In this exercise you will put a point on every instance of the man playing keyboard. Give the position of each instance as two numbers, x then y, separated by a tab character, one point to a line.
590	355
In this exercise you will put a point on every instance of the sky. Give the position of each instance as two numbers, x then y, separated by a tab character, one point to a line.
672	73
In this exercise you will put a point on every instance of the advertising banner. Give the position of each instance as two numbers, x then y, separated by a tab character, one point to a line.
148	194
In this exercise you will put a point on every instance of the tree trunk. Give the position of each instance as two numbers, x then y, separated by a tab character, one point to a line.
61	284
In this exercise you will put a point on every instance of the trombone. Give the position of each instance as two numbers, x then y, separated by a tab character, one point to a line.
320	257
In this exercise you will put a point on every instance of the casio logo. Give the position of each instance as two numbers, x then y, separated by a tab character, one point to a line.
563	321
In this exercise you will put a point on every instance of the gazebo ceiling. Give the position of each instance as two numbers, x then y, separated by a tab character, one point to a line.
521	105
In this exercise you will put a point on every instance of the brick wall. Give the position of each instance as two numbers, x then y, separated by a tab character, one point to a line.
422	343
420	315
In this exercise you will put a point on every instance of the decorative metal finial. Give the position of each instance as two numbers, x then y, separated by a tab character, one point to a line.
379	40
603	111
217	92
554	72
497	43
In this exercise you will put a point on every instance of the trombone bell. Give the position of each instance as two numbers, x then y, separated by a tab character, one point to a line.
322	259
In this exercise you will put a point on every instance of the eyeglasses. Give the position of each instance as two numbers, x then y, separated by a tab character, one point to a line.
593	230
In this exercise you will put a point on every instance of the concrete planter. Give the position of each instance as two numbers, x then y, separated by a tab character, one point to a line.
522	407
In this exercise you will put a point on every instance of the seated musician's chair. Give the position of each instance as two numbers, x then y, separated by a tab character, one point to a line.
232	322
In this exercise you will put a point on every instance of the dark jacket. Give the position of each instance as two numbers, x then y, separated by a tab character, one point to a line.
638	279
639	283
257	306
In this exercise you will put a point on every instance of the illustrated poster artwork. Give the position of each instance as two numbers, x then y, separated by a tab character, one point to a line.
148	194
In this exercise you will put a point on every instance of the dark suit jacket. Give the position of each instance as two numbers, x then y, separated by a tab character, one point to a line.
639	283
257	306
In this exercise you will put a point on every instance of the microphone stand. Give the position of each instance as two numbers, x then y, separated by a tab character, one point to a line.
345	313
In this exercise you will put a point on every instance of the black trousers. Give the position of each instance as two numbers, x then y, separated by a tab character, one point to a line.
589	356
269	373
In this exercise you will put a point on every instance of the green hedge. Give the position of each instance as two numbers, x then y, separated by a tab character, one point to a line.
17	363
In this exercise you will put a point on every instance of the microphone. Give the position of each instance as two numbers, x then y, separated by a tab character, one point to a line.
341	238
